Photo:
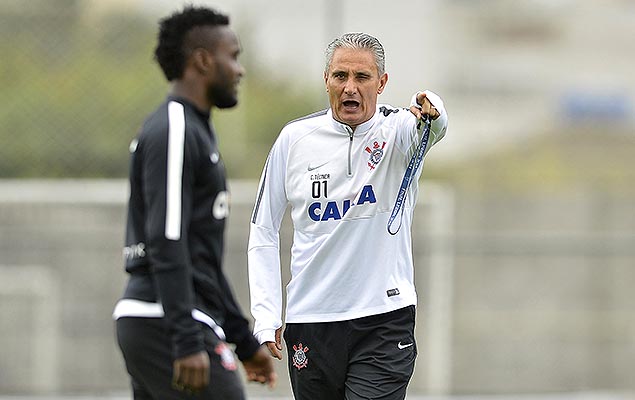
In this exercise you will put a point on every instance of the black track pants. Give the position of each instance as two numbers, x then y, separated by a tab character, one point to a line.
147	351
366	358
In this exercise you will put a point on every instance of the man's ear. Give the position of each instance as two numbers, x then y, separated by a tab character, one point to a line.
383	80
202	60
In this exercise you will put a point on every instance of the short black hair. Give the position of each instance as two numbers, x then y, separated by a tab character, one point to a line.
170	51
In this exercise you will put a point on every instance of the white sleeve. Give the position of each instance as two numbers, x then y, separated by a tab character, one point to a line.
263	253
439	126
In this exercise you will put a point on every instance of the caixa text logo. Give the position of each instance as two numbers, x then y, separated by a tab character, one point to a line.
220	209
331	210
134	251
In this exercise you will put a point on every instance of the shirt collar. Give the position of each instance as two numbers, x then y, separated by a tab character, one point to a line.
361	129
204	114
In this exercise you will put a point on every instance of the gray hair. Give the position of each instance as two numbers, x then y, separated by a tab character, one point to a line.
357	40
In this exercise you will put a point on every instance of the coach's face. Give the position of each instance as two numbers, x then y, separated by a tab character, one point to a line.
353	84
226	72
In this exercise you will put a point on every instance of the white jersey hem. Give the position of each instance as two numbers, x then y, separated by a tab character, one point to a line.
336	317
143	309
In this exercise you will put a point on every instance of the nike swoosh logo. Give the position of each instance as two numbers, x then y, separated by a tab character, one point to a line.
403	346
311	168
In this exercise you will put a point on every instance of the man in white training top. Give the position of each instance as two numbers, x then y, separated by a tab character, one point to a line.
350	313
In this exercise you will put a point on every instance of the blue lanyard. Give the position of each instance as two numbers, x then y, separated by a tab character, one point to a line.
413	166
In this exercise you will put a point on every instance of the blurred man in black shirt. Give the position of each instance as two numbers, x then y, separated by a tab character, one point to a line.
178	312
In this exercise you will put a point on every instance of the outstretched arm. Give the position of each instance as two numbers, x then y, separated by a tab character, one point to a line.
427	103
424	107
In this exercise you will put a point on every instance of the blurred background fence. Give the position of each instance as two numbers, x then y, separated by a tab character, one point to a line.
519	294
525	242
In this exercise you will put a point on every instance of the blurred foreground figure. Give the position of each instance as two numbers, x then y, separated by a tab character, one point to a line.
178	312
350	311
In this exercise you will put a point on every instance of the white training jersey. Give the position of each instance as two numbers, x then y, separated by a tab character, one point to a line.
341	185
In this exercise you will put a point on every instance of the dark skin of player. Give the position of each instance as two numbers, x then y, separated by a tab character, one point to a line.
210	79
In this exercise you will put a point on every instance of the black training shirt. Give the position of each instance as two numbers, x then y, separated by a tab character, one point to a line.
176	220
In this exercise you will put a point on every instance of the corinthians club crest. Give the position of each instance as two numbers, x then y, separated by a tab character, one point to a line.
376	153
299	357
227	359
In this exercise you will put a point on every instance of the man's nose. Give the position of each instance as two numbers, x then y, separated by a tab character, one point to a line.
350	88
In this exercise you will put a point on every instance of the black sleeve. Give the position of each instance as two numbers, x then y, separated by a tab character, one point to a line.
236	326
166	233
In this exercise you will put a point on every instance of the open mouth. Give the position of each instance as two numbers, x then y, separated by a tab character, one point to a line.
350	104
